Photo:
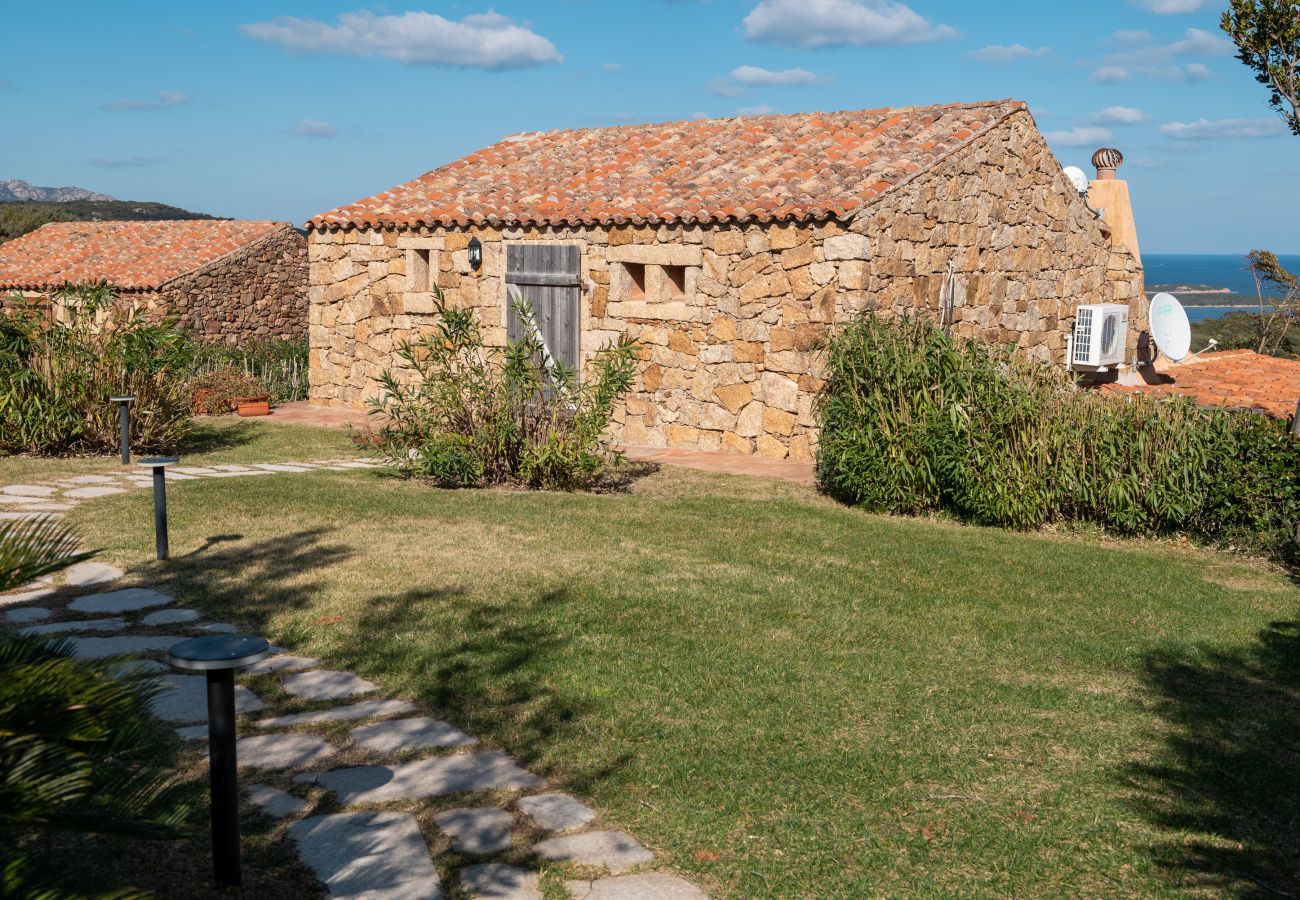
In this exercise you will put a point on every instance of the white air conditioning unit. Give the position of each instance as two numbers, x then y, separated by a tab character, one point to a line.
1100	333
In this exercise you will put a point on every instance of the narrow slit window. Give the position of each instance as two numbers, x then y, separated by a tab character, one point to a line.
419	270
636	280
675	281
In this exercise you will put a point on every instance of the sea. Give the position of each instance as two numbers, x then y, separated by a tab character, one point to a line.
1208	284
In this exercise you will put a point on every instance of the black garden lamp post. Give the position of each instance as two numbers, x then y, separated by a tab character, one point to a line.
218	656
159	465
124	423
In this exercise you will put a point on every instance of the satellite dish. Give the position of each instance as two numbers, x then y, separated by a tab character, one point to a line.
1169	326
1077	178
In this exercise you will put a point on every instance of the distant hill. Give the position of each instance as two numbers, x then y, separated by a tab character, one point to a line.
17	189
16	219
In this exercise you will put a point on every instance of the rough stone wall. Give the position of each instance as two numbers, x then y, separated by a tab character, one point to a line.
730	364
257	292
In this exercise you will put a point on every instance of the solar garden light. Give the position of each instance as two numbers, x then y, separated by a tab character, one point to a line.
124	422
218	656
159	465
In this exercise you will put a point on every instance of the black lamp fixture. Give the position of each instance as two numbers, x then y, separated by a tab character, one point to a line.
475	253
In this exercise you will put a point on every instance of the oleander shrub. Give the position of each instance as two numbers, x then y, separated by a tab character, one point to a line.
913	420
464	414
278	366
57	372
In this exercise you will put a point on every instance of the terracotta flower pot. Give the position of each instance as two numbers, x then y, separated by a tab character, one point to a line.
252	406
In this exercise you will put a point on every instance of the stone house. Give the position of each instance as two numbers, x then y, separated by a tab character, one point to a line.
229	281
726	248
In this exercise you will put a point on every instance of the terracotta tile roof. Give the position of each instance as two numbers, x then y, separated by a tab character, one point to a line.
130	255
764	168
1238	379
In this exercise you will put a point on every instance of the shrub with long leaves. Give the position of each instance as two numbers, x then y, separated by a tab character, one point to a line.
914	420
463	413
79	749
58	371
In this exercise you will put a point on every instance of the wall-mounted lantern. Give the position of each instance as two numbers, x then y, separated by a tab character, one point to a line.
475	253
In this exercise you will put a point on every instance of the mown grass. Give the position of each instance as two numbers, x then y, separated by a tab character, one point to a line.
788	698
223	439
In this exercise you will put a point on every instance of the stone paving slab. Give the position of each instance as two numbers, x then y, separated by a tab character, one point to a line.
90	479
433	777
476	829
15	500
138	667
498	881
617	851
26	596
281	751
274	802
24	614
121	645
170	617
370	855
282	467
191	470
125	600
184	698
84	574
367	709
419	733
114	623
27	514
650	886
285	663
90	493
326	684
193	732
29	490
220	628
556	812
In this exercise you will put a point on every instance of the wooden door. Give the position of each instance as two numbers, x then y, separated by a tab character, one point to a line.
548	276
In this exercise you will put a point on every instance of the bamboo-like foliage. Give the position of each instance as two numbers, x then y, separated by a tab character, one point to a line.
464	413
279	366
914	420
58	371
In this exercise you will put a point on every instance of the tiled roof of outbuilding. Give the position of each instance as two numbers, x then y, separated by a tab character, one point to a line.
762	168
1237	379
130	255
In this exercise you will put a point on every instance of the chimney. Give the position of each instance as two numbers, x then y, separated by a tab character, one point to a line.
1110	194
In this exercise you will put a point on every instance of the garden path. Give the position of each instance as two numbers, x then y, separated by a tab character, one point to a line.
374	847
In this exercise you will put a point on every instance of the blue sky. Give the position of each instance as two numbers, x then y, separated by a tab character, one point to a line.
282	110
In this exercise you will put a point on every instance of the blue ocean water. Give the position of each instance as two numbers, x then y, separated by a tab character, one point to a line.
1184	274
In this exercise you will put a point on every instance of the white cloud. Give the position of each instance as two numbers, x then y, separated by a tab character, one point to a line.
1222	129
1120	115
127	162
823	23
761	110
484	41
1170	7
1139	53
1109	74
1080	136
699	116
613	68
314	129
757	75
998	53
163	100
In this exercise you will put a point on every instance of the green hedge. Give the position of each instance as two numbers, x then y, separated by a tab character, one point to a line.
914	421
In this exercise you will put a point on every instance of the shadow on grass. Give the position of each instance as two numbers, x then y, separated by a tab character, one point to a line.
1227	784
205	437
488	670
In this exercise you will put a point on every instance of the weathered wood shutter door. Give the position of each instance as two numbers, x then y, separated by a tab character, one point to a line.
548	276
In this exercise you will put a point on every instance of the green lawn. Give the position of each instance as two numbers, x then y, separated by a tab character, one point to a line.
787	698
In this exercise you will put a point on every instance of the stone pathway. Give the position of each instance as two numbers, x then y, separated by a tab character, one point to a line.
499	808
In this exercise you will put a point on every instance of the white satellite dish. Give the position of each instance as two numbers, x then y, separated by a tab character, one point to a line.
1169	326
1077	178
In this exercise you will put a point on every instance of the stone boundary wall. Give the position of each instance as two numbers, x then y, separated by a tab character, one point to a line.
731	364
258	292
